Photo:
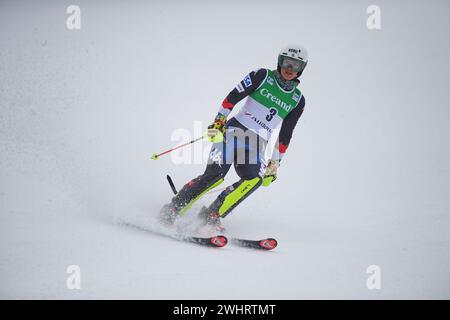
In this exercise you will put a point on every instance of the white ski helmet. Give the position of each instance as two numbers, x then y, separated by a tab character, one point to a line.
294	56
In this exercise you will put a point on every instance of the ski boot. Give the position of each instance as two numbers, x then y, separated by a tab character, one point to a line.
211	218
168	215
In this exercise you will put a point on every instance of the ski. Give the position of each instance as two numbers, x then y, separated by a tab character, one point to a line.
215	241
263	244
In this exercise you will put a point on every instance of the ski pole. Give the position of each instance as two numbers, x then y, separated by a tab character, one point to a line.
174	189
155	156
217	138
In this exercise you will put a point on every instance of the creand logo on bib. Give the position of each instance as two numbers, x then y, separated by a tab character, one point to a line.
265	93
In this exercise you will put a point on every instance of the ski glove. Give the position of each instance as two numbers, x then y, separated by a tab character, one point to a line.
270	175
217	129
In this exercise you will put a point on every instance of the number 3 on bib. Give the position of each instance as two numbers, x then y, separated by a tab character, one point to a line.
272	112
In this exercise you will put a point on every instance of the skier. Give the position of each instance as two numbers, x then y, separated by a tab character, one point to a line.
272	99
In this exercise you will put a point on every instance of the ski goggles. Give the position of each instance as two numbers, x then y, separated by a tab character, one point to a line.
296	65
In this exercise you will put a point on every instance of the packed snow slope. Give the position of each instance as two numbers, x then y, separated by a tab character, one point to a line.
365	180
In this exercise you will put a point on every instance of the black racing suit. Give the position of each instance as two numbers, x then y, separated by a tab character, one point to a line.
232	150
